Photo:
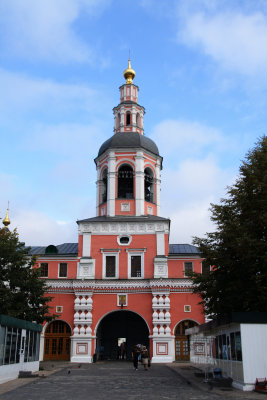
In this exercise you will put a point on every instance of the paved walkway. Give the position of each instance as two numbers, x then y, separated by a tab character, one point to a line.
117	380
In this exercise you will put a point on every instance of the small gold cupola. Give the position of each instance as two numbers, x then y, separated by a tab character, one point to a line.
6	221
129	74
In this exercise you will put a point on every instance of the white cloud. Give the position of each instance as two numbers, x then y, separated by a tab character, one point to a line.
20	93
193	178
236	41
187	193
45	28
179	138
37	229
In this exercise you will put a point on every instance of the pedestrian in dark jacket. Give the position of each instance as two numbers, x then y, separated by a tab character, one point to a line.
135	355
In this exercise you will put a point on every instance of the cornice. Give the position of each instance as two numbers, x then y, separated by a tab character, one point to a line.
116	285
118	227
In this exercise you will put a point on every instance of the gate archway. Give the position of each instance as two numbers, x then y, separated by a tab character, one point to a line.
122	324
182	347
57	341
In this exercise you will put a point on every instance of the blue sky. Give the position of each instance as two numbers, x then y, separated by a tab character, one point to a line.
201	67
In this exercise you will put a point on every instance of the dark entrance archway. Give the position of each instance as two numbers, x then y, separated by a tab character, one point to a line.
116	325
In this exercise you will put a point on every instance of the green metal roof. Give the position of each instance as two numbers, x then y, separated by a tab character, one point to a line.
19	323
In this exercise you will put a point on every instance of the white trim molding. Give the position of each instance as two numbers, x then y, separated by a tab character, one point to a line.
135	252
118	227
105	254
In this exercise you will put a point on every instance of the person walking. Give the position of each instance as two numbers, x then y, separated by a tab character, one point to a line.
123	350
135	355
144	357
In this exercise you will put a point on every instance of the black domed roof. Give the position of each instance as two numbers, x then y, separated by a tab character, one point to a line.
129	139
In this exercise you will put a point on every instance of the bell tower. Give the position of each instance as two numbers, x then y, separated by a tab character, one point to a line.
128	164
129	115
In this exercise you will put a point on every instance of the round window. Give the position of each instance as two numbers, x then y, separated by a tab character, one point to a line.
124	240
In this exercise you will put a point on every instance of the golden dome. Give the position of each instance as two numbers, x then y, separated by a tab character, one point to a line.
129	74
6	221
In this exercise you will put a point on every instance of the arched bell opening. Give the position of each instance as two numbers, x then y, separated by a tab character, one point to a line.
138	121
182	344
128	118
118	121
125	182
118	327
149	185
104	186
57	341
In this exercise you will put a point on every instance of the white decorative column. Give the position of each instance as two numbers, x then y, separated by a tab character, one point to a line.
134	120
111	184
81	340
86	265
139	183
98	189
160	261
157	183
163	341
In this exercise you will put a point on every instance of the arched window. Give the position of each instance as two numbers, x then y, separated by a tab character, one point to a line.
57	341
104	186
118	120
128	118
182	326
138	120
125	182
149	185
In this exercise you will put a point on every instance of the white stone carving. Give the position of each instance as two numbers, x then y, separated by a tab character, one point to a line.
103	228
125	207
83	305
86	268
163	348
175	285
150	210
160	267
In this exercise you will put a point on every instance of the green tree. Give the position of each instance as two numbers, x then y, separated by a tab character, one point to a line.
22	293
237	250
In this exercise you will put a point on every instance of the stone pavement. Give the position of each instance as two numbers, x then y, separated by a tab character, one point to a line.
117	380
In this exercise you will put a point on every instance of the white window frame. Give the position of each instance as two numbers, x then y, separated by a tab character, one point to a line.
187	308
135	253
186	276
59	309
104	255
62	277
124	244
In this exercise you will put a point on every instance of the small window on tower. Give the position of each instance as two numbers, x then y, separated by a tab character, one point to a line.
104	186
136	263
128	118
125	182
118	120
138	120
149	185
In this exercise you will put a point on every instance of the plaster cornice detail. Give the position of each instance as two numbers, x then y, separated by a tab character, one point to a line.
118	227
145	284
